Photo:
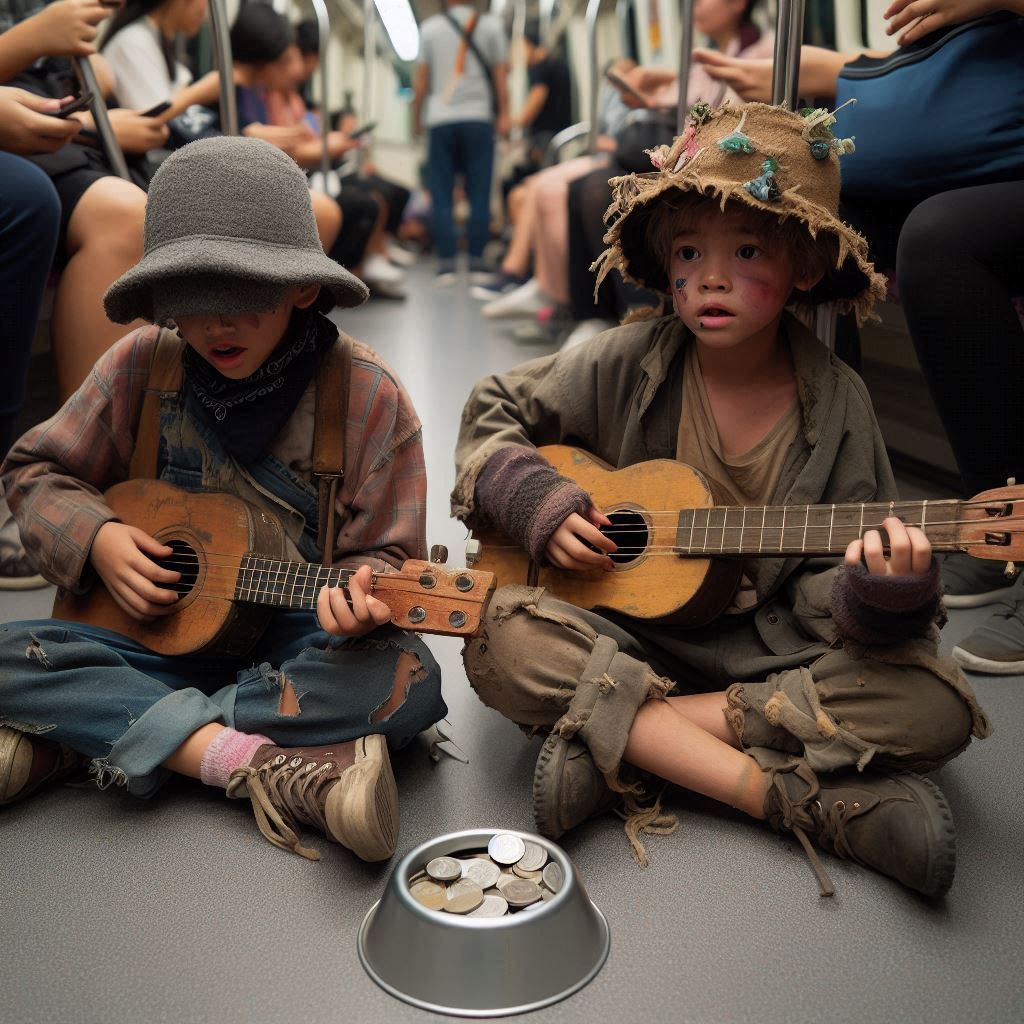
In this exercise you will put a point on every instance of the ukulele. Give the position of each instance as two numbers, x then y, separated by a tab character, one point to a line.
679	557
233	577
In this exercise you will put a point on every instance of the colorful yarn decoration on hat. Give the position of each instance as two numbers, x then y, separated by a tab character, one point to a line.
737	141
700	112
764	186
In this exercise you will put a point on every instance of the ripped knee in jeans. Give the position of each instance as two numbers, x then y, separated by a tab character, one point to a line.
409	670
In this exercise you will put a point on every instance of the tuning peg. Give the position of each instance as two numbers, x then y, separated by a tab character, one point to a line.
438	554
1011	571
474	551
1011	481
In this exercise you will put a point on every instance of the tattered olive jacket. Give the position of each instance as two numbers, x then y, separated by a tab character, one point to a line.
620	398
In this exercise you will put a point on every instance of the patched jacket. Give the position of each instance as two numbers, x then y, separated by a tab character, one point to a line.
55	476
620	398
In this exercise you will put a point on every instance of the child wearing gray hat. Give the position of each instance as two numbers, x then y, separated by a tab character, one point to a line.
226	392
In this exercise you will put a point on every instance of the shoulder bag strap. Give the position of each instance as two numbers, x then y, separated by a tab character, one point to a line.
332	386
165	373
470	42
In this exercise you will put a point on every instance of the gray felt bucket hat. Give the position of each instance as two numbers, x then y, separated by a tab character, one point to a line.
229	229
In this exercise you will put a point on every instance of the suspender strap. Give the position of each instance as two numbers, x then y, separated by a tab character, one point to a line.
332	386
165	373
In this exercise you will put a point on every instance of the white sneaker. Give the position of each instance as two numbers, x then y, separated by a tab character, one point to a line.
399	256
526	300
377	270
585	331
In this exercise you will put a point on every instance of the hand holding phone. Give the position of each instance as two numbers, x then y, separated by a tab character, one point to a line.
363	129
75	105
626	88
157	110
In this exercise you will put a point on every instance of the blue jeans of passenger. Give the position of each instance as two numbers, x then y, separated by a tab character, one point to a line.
466	147
29	223
128	709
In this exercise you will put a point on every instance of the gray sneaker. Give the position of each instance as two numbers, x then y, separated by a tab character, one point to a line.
567	787
969	582
28	762
996	647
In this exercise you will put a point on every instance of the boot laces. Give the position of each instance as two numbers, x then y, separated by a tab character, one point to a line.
807	815
285	792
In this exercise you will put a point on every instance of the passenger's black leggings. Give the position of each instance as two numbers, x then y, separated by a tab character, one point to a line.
960	261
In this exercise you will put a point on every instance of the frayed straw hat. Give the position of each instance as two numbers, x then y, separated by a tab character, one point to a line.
765	157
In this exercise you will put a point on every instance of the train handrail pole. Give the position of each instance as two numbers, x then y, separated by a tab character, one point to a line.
111	147
593	10
323	25
369	55
685	59
789	30
547	9
225	66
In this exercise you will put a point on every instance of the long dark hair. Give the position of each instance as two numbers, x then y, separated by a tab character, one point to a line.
132	11
260	35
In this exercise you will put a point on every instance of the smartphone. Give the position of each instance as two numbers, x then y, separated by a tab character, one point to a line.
623	86
363	129
75	105
157	110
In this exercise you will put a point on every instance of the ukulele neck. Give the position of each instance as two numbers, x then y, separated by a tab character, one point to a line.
286	584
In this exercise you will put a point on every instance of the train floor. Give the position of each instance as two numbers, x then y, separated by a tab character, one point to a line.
177	909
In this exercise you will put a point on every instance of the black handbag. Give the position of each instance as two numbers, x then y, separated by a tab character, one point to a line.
643	130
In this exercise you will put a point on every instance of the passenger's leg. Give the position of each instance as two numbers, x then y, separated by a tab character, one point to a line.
328	218
516	262
104	239
441	182
477	145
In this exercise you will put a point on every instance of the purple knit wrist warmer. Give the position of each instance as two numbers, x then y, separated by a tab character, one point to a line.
520	492
884	609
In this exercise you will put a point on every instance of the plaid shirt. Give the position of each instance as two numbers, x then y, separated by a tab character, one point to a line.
55	475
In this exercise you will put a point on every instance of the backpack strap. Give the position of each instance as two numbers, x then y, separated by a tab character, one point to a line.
332	385
165	373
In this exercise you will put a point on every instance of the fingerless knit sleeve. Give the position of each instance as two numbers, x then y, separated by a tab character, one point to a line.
884	609
526	498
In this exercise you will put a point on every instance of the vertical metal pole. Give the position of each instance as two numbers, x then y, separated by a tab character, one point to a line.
225	66
685	58
111	147
546	12
593	10
789	31
369	55
323	22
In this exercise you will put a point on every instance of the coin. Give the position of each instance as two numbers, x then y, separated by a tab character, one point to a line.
492	906
533	859
553	876
521	892
504	878
429	894
484	872
463	896
444	869
506	848
522	872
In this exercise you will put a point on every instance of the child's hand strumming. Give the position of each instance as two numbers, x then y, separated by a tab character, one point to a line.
123	556
366	611
568	547
910	551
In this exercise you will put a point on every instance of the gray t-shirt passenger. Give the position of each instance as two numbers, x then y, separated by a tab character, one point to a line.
465	97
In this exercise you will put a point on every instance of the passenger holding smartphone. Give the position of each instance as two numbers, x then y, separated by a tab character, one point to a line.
139	47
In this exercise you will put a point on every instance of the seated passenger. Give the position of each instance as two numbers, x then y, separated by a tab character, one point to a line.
139	48
301	722
806	700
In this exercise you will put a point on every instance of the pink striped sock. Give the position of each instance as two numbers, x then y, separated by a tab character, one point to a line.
228	750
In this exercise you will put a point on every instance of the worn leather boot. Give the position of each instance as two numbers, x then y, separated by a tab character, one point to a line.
346	791
899	825
567	787
29	762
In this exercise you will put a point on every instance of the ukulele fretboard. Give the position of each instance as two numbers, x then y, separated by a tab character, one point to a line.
285	584
814	529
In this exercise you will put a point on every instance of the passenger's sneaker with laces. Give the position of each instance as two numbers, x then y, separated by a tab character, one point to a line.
445	274
899	825
996	647
29	762
526	300
346	790
969	582
502	284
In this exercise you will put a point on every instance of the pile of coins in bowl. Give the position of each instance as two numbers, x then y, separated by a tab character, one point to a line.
511	876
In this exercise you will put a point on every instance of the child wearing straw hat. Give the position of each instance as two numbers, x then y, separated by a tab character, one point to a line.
813	697
234	281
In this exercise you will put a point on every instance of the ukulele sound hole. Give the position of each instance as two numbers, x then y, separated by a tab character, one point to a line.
184	560
629	531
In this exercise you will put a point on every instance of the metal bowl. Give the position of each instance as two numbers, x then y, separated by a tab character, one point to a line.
475	966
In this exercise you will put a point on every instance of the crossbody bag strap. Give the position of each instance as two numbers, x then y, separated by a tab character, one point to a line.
165	374
471	43
332	386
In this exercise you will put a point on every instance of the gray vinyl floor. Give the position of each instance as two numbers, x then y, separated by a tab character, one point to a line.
178	910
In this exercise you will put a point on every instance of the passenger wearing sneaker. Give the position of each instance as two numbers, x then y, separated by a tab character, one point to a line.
301	723
811	700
